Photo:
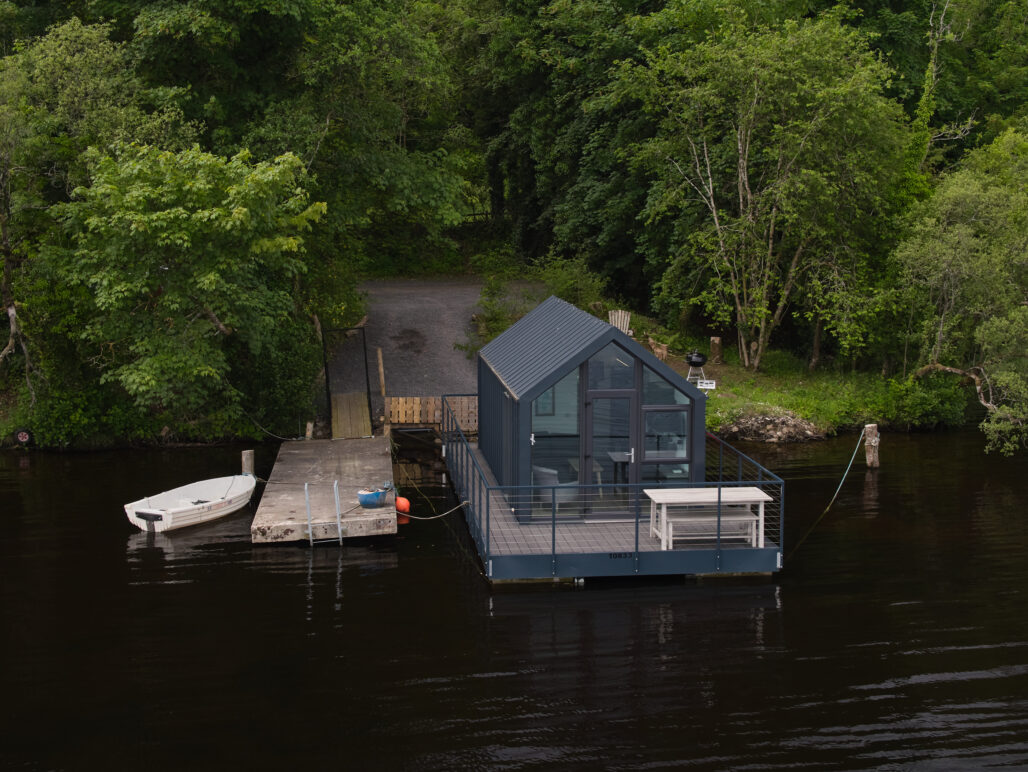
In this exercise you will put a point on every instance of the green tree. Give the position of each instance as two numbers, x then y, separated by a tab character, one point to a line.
191	263
966	264
233	57
378	121
780	144
557	144
555	172
59	95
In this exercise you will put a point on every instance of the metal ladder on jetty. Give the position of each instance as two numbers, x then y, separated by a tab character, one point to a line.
339	516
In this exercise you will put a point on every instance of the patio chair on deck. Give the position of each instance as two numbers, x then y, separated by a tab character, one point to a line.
551	490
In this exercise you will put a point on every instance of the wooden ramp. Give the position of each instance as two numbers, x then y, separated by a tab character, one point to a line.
282	513
350	416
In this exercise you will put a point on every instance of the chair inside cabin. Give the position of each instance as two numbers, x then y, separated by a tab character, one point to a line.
550	490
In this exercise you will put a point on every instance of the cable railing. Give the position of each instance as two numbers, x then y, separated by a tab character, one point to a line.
728	466
616	518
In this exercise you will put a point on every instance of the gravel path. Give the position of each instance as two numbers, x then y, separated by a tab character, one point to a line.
416	323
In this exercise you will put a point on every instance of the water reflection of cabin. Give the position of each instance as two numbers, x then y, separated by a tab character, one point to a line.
578	427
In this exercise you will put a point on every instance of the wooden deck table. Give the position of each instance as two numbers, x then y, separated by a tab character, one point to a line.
705	498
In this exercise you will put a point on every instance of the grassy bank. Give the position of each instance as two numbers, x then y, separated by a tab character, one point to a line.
831	401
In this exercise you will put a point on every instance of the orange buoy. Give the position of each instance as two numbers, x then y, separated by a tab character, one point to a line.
402	508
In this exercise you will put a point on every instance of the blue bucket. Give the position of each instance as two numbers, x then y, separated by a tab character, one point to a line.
371	499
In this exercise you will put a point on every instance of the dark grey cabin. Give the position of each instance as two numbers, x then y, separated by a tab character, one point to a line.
593	459
564	391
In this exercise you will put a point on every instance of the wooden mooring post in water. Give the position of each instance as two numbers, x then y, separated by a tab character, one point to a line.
247	462
871	442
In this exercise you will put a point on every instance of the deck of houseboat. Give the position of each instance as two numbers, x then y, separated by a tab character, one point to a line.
605	530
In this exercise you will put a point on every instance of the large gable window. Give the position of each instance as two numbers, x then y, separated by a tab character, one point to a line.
611	368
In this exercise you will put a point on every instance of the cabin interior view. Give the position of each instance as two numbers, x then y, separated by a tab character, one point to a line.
610	423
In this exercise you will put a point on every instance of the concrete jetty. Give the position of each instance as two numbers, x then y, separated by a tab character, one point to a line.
358	463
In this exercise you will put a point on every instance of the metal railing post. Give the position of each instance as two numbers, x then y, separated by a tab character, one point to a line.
637	503
339	524
781	522
553	531
307	498
717	553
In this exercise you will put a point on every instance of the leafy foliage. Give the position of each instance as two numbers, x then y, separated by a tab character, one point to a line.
780	147
966	266
183	254
64	92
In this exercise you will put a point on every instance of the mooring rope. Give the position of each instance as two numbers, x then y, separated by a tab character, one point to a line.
821	516
431	503
436	517
270	434
421	493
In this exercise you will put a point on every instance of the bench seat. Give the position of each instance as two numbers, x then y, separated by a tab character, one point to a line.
738	521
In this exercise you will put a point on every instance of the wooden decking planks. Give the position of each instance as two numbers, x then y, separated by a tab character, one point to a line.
507	536
350	416
358	463
510	536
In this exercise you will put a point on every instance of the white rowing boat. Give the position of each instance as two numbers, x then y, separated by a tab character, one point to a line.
191	504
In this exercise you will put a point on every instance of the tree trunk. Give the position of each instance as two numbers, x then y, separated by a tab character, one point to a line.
815	352
7	288
744	356
715	351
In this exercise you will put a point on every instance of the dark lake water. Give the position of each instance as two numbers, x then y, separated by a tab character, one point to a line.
896	638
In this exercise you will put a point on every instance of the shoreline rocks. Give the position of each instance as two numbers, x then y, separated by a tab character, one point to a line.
770	428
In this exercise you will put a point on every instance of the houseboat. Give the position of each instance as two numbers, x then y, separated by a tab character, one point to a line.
592	460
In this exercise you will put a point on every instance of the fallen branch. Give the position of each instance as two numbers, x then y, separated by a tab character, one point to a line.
980	381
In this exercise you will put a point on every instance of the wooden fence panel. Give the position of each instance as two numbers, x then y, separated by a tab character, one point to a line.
428	411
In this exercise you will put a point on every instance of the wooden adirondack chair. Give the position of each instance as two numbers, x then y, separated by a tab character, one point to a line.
621	319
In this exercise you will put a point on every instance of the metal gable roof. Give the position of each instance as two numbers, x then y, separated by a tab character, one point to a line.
548	339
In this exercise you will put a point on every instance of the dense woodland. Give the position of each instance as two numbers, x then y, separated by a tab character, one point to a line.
190	189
